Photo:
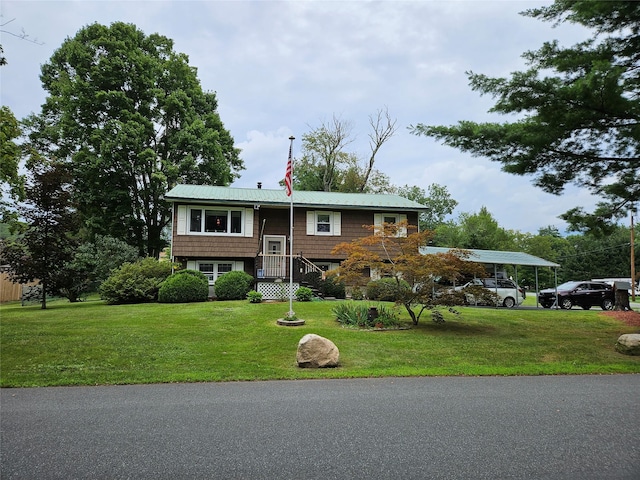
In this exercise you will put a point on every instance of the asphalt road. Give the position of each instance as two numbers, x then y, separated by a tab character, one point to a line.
550	427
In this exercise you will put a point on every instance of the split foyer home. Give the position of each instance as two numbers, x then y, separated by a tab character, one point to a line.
220	229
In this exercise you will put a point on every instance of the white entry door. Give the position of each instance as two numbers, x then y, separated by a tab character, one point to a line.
275	255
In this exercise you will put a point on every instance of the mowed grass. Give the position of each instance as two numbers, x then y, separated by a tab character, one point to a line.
91	343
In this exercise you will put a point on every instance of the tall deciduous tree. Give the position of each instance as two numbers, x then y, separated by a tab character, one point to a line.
327	166
42	251
130	117
547	244
10	155
482	231
591	256
578	108
475	230
22	36
437	200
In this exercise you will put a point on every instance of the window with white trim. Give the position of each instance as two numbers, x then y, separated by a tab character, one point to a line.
211	221
324	223
214	270
214	220
392	218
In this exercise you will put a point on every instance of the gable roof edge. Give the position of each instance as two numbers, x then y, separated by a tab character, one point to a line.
236	196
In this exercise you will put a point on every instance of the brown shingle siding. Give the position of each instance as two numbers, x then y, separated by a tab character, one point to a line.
196	246
276	222
320	246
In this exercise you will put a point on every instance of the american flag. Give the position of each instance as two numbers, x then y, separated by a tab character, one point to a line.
287	175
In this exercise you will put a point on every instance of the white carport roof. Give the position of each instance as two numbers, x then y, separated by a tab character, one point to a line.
496	257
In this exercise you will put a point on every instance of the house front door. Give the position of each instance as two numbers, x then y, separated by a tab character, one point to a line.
275	256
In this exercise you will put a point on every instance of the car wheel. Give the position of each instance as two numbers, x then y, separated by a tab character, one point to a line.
546	305
509	302
566	304
586	307
607	304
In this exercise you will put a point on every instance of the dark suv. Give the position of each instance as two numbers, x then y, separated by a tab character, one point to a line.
583	294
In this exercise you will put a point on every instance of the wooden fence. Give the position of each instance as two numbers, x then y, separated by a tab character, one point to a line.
9	291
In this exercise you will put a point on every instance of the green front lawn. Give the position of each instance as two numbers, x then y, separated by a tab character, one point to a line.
92	343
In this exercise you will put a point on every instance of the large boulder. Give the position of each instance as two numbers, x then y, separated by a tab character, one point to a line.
629	344
315	351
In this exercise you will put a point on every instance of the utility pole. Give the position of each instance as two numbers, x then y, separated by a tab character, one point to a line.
633	258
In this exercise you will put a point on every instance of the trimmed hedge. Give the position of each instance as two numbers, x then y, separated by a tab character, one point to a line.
184	286
233	285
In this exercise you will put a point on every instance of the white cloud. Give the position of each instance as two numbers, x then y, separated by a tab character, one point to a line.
260	149
281	67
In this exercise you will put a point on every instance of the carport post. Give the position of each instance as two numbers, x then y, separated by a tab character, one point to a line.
555	274
537	288
495	276
516	269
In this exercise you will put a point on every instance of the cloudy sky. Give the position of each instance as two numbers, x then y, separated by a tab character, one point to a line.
281	68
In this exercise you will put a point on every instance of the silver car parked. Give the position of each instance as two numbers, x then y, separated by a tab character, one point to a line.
508	293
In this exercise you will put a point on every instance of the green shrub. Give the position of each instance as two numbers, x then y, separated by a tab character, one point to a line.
356	293
194	273
331	286
254	297
184	286
96	260
386	289
313	279
136	282
233	285
360	315
304	294
354	315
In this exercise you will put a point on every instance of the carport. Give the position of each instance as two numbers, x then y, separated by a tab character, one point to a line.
498	258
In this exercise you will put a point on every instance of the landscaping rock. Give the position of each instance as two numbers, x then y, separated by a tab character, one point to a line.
315	351
629	344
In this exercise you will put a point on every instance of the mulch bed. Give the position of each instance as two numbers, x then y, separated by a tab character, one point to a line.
629	317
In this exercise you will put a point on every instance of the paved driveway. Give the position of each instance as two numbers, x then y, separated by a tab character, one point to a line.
551	427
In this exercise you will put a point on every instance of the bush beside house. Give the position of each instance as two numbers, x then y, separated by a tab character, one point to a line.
137	282
184	286
304	294
330	286
233	285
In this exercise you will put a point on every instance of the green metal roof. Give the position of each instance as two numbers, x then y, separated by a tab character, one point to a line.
263	196
497	257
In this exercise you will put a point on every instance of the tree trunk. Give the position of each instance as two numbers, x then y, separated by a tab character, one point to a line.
412	314
622	299
43	304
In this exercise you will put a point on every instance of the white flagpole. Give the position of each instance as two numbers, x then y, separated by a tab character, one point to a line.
291	313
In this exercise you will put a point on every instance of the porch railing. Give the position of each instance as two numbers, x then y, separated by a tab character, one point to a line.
277	266
272	266
307	266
